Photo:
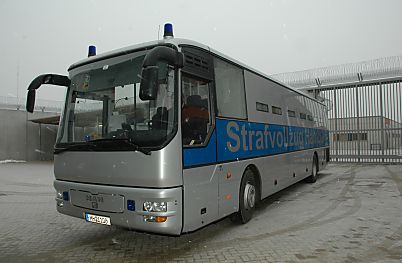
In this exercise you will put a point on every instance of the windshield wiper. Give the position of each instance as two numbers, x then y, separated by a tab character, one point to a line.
81	146
126	141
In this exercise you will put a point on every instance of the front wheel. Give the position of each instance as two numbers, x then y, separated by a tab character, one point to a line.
314	171
247	198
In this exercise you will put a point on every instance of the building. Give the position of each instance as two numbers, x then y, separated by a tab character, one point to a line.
22	136
365	133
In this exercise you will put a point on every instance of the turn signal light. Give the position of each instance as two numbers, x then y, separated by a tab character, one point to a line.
160	219
156	219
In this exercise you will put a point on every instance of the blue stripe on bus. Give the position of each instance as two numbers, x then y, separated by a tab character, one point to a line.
242	140
201	155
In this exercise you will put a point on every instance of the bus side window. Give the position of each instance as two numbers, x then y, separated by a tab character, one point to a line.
230	93
196	117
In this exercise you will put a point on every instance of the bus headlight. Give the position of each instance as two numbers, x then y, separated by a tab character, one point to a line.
155	206
63	195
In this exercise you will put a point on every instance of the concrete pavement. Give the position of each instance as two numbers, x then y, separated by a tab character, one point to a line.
353	213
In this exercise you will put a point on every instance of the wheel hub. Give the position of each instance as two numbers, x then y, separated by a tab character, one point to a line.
249	196
314	169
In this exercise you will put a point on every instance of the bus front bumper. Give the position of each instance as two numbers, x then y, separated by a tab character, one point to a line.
123	206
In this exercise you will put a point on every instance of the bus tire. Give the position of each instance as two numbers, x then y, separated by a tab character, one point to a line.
247	198
314	171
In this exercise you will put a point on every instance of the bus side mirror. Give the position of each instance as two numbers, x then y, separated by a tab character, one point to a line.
149	76
149	83
31	100
51	79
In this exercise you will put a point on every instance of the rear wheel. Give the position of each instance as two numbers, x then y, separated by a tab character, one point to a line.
247	198
314	171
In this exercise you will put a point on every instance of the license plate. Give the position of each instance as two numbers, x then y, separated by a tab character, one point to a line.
103	220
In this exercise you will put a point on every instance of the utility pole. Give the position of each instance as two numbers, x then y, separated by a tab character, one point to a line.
18	82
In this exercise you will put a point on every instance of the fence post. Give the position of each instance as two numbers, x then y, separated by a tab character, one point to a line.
381	122
336	125
358	123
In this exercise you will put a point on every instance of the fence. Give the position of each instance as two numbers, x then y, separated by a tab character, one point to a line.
365	120
364	107
14	103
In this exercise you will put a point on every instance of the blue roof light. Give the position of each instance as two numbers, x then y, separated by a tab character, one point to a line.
168	31
91	51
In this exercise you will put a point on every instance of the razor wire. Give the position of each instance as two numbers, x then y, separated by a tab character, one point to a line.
346	73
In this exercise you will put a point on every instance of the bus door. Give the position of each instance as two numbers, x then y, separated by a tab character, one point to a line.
198	140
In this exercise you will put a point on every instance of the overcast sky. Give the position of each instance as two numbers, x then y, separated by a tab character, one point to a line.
46	36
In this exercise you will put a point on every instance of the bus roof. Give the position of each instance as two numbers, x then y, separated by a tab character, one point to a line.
180	42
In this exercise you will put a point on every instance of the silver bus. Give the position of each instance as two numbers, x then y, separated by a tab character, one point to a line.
171	135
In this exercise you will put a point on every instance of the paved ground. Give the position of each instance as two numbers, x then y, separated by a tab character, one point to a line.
352	214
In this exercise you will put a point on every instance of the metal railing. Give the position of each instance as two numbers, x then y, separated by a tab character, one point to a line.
365	120
364	107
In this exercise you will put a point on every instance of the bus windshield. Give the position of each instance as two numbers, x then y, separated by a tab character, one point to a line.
103	105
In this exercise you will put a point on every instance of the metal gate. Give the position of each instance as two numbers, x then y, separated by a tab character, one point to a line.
365	120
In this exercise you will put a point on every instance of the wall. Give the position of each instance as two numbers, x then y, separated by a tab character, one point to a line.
21	139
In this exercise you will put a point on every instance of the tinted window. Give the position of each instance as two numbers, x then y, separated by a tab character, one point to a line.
262	107
291	113
230	93
276	110
196	108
